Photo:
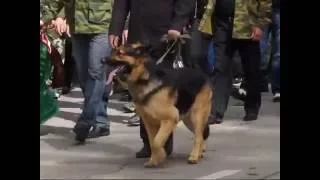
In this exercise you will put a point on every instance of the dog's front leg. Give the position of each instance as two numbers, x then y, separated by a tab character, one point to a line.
158	153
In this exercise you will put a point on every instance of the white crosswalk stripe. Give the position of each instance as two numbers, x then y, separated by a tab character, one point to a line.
59	121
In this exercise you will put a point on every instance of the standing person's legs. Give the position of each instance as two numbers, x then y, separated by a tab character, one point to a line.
80	46
250	55
94	112
211	57
275	75
68	67
222	78
199	49
265	49
237	71
96	82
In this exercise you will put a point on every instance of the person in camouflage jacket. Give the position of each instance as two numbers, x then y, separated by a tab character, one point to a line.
236	25
247	14
87	21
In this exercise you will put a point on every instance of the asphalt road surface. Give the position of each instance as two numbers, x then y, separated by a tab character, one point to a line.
235	150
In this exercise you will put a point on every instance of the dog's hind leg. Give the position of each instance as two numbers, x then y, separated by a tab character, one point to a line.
197	149
167	126
199	117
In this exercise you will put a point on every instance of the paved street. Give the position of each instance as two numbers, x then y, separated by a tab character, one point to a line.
235	150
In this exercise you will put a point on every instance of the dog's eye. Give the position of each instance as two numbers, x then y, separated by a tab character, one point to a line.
132	52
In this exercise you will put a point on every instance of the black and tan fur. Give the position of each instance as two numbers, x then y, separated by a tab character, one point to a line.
163	97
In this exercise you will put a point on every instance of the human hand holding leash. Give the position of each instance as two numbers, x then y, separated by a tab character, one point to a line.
114	41
173	34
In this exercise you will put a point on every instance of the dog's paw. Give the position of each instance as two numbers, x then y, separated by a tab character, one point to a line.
150	164
204	149
194	160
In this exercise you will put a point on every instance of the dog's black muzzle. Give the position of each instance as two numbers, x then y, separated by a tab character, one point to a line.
124	67
111	62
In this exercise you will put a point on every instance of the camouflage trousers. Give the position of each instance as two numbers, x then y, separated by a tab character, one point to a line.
59	44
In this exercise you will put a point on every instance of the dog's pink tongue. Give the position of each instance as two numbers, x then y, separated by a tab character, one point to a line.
113	73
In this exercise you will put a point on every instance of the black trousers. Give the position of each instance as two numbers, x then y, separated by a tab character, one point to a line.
249	52
68	64
199	52
199	45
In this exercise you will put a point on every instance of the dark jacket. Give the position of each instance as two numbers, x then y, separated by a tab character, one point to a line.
201	4
276	4
150	19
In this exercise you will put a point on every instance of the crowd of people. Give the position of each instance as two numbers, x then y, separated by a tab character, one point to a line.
236	43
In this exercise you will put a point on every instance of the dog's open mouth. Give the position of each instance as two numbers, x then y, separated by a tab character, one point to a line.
121	67
114	73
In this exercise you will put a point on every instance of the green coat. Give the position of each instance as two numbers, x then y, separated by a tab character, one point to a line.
248	13
83	16
48	105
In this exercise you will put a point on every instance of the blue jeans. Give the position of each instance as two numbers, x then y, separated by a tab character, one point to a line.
211	57
88	51
274	29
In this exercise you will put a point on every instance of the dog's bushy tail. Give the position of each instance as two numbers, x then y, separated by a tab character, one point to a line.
206	132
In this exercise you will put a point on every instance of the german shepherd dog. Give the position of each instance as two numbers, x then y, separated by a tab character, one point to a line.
162	97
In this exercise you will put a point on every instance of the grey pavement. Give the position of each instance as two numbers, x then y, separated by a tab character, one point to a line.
235	150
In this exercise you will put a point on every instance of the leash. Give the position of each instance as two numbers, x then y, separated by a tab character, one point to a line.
160	60
181	40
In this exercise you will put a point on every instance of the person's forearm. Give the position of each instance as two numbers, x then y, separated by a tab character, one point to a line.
182	12
119	16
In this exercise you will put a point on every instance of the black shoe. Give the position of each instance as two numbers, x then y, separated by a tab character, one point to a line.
250	116
125	97
217	119
134	120
129	107
264	88
98	132
144	152
66	90
168	147
81	130
239	94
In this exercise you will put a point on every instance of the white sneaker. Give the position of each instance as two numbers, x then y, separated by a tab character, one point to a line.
276	97
129	107
237	83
